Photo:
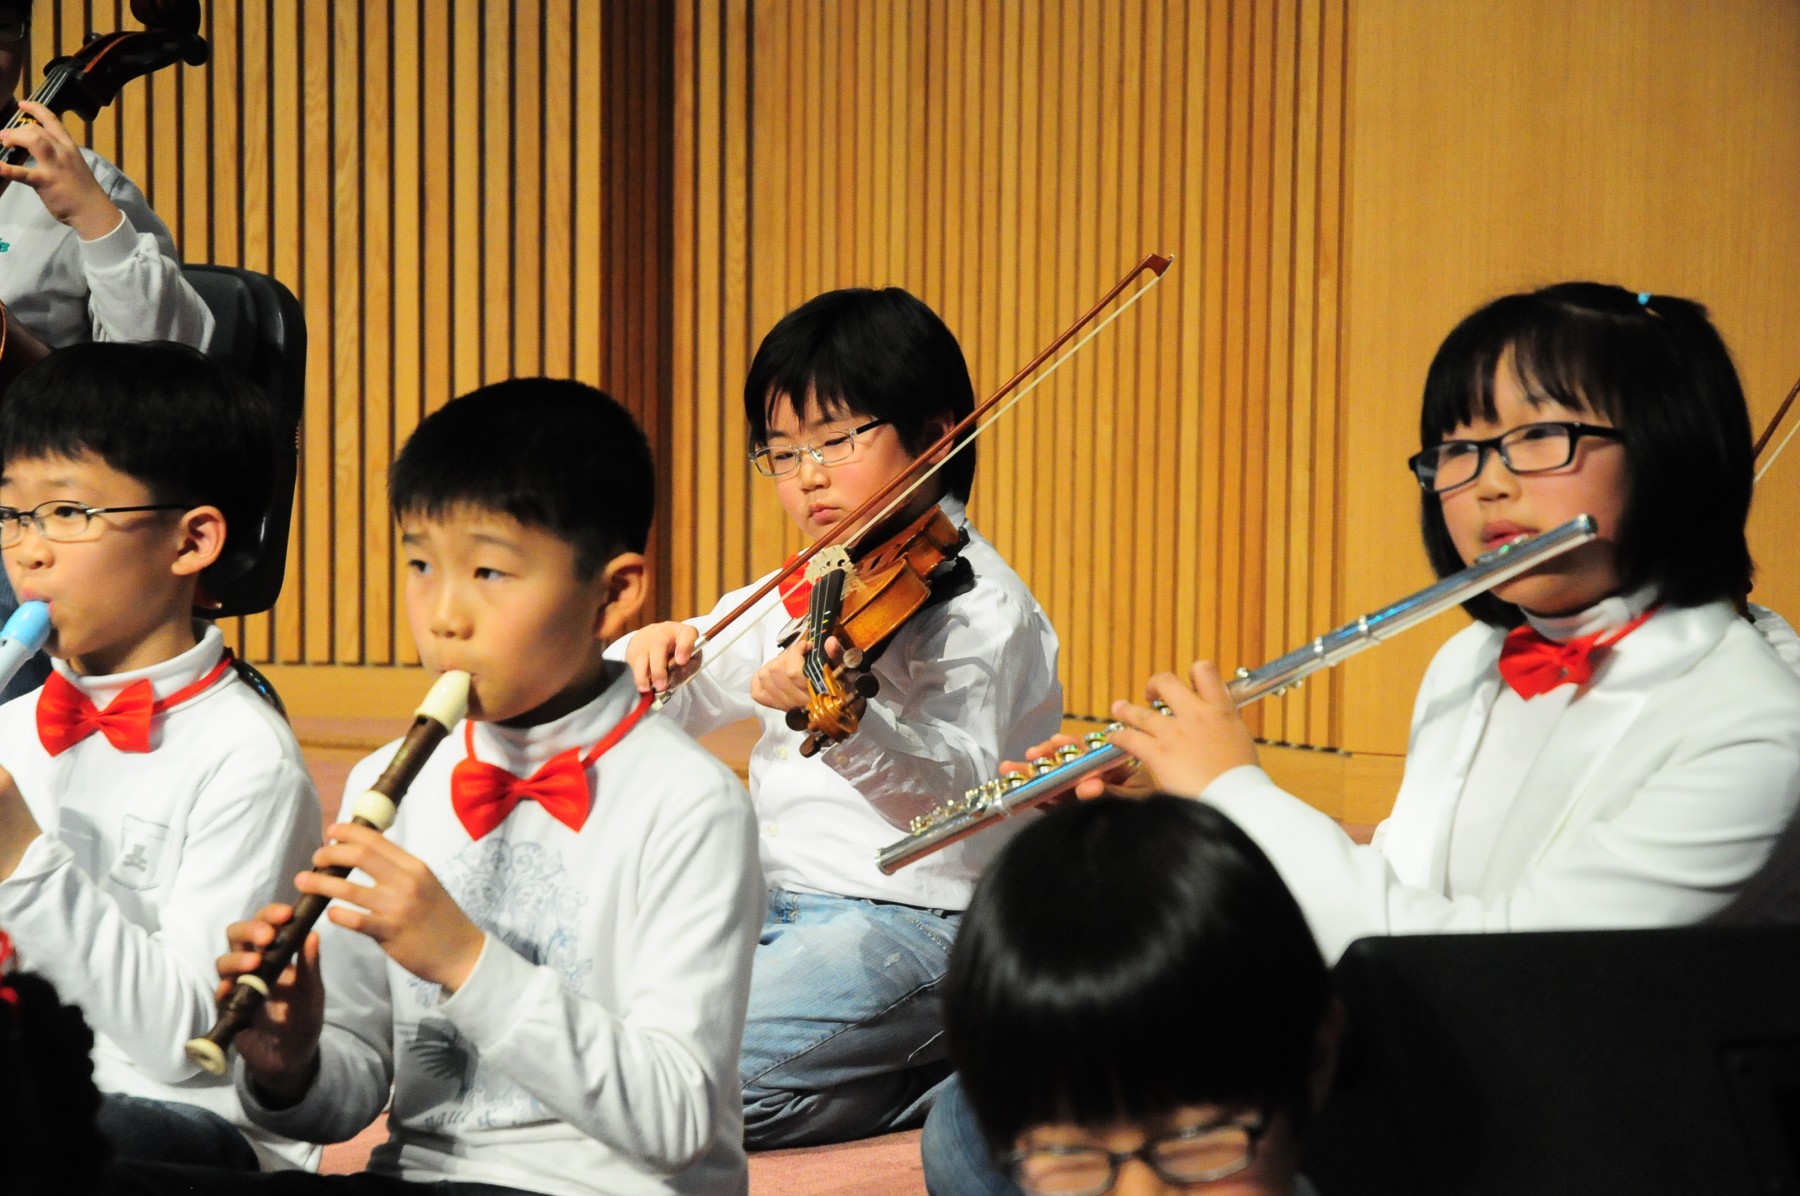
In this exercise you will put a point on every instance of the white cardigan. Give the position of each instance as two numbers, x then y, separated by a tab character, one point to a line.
1657	800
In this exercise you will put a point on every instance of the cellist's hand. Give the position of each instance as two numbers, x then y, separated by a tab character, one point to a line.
59	174
781	684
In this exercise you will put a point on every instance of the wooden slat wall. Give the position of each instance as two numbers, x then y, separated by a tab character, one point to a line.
457	191
1007	162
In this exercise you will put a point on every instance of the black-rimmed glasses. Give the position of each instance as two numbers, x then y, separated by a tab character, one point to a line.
1529	448
63	521
779	460
1198	1154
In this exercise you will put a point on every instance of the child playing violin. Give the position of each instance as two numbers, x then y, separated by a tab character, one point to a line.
844	393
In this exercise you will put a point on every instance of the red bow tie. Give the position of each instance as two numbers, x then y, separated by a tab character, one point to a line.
66	716
1534	664
796	591
484	794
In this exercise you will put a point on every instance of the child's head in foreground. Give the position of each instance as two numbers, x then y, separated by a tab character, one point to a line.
48	1102
95	429
524	508
1633	413
1132	974
867	380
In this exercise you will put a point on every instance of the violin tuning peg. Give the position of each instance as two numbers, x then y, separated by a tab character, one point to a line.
796	719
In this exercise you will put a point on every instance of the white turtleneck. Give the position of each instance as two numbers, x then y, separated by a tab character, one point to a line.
594	1047
1517	729
145	858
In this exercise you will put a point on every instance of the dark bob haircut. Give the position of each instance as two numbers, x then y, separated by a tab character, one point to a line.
1658	370
879	354
189	430
550	453
1121	959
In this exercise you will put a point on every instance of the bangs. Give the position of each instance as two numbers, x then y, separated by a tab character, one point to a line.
1120	963
1557	353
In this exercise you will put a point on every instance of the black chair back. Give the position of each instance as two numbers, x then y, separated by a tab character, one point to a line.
259	333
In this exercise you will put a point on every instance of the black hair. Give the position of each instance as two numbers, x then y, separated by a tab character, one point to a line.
48	1101
1658	370
1121	959
551	453
186	427
881	354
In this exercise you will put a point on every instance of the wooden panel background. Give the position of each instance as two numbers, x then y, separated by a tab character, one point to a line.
632	193
457	190
1007	162
1501	146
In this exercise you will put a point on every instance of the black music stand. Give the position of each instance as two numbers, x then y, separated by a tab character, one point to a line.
1641	1062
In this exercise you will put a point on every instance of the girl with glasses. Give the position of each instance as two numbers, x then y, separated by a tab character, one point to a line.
1613	743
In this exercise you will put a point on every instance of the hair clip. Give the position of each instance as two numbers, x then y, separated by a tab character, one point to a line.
1643	298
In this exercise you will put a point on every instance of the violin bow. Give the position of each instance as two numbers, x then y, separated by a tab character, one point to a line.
1769	432
903	485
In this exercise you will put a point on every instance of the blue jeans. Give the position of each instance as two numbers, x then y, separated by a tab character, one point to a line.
956	1156
844	1036
156	1131
34	671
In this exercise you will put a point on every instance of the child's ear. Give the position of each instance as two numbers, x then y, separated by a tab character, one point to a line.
200	540
624	582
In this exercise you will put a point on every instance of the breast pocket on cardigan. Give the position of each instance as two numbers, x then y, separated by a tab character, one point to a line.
140	859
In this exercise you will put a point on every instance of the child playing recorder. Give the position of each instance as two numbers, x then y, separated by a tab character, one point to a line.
148	793
546	959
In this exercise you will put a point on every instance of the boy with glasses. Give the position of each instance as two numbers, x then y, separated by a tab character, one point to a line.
844	1036
148	796
82	255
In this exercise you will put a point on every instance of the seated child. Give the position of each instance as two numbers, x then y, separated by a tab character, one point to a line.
82	254
552	988
47	1096
123	852
1613	744
845	392
1135	1005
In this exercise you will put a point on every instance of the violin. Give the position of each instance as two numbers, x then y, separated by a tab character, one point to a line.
85	82
861	601
864	595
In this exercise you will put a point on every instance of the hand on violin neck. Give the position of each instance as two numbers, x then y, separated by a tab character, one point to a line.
60	174
781	684
662	655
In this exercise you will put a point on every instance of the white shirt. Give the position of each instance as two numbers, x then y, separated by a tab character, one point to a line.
964	685
124	286
594	1048
1662	796
1517	730
123	901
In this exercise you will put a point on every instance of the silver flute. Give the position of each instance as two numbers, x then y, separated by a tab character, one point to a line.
1057	774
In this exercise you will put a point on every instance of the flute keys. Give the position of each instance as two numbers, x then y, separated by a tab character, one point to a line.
1044	765
1068	752
1095	740
1015	780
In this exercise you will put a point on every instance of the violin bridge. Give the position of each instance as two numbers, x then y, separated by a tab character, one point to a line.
836	557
